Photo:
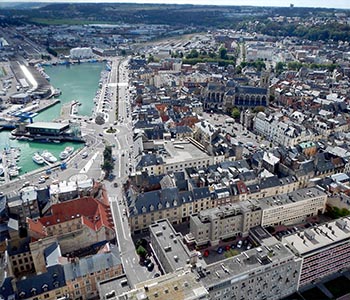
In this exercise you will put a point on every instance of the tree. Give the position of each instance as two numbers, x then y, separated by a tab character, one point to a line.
141	251
235	113
239	69
280	67
223	53
150	58
107	166
107	153
258	109
193	54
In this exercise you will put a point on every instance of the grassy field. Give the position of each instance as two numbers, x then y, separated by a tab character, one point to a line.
66	21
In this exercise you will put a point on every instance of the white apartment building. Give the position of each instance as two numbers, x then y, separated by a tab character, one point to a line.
270	271
325	249
284	133
213	225
293	207
81	53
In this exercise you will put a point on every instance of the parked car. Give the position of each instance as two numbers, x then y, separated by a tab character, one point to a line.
146	262
150	267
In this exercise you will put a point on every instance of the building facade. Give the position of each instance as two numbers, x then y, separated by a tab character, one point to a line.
292	208
223	222
325	249
270	271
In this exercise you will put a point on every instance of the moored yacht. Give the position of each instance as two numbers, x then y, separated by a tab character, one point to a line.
66	152
48	156
37	158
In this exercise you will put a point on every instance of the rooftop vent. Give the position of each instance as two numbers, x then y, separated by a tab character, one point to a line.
310	235
341	224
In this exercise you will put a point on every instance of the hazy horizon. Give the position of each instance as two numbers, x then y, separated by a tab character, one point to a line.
345	4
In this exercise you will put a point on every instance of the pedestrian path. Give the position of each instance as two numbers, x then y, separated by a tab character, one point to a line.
89	163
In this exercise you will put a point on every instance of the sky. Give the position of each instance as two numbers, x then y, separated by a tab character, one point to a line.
297	3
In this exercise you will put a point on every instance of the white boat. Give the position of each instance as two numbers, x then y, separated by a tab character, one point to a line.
2	170
66	152
48	156
13	172
37	158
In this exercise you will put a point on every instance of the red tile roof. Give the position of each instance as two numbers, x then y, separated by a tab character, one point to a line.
91	212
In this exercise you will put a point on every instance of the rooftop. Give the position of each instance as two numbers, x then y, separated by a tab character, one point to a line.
315	238
298	195
171	244
48	125
92	212
181	152
181	285
239	266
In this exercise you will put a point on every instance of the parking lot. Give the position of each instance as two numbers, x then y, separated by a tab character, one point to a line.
224	250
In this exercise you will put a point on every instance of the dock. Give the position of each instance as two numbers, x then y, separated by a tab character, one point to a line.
67	110
45	104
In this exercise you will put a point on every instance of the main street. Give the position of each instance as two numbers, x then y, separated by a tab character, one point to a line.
86	166
122	152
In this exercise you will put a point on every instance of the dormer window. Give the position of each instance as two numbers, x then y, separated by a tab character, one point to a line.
151	207
160	206
167	204
175	203
45	287
144	210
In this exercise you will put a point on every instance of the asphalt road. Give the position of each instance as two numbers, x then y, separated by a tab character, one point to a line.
122	151
97	138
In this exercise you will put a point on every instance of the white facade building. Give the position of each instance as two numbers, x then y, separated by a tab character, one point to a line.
81	53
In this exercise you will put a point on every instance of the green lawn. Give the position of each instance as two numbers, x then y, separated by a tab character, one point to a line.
66	21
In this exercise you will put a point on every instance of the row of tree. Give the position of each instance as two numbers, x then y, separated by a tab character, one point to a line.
108	164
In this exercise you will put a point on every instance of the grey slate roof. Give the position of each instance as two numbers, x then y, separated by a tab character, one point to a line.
92	264
252	90
40	283
149	160
52	254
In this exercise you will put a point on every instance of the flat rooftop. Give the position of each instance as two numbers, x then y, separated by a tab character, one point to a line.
224	211
298	195
171	244
117	285
48	125
181	285
319	236
175	153
239	266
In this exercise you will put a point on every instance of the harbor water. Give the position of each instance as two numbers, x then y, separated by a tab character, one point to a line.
78	82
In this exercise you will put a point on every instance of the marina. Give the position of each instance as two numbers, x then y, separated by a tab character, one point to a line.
79	82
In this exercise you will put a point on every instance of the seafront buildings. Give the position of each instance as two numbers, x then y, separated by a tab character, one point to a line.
235	174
